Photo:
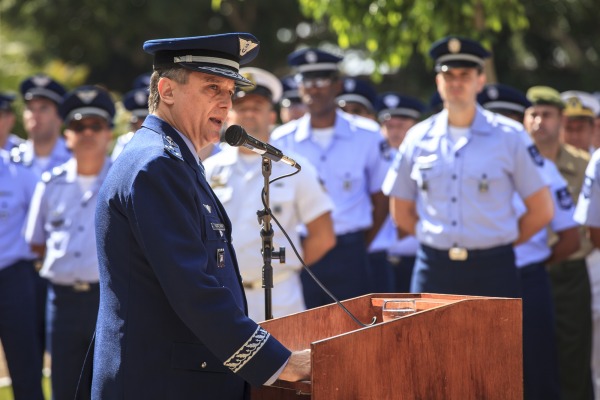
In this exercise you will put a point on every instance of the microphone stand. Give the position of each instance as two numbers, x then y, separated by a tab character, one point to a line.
266	234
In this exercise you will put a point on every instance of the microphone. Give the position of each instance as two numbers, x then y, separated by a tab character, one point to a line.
236	136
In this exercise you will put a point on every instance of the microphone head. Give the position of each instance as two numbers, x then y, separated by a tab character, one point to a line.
235	135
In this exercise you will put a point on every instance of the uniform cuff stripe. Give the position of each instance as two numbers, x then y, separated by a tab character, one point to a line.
248	350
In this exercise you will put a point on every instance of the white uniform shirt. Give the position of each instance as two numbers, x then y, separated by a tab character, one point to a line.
463	191
294	201
352	167
536	249
62	217
17	184
588	207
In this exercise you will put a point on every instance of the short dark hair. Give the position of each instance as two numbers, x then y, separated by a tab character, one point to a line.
176	73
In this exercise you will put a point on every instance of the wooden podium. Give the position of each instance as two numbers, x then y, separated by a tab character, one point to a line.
453	347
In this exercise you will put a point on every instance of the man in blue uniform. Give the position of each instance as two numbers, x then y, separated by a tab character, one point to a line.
60	230
396	113
347	152
172	322
358	97
454	179
17	302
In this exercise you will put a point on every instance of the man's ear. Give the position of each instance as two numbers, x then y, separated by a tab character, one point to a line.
165	90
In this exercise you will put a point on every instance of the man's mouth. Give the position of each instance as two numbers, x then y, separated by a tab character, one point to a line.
217	121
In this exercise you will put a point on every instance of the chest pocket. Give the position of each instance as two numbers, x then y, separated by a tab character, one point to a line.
57	228
487	183
281	200
10	204
429	178
347	184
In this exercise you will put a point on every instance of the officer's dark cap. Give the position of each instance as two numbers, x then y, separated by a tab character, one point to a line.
457	52
219	55
357	91
6	100
314	63
503	98
42	86
87	101
391	104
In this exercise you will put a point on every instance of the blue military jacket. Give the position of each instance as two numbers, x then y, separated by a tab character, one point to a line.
172	321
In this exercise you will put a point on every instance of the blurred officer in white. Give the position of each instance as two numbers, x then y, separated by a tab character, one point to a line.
45	148
60	226
569	278
235	174
580	113
454	179
136	102
17	303
587	213
347	153
396	114
540	363
7	121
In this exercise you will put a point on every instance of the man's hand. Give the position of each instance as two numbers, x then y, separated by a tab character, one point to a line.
298	367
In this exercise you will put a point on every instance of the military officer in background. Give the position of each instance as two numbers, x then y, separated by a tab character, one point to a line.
396	113
588	214
45	147
172	320
235	176
18	331
347	153
8	140
291	106
579	114
358	97
569	278
540	363
453	183
136	102
60	230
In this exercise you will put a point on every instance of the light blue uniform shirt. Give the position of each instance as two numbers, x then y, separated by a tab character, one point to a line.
17	184
588	207
351	168
62	217
26	156
536	249
464	191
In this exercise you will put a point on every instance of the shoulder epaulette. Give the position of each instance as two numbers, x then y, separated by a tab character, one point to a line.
17	154
53	174
171	147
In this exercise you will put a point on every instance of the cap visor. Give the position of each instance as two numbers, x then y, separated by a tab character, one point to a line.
223	72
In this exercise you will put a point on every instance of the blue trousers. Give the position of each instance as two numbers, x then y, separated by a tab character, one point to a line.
17	330
491	272
402	267
540	360
344	271
382	275
71	321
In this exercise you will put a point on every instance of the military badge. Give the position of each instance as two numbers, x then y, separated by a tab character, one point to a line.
535	155
565	201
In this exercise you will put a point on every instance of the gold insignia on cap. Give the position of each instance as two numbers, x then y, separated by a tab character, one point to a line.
454	45
40	80
87	96
246	46
574	107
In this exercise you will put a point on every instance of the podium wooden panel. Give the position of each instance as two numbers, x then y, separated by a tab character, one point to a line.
453	347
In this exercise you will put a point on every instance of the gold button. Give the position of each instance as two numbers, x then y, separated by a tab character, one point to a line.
204	365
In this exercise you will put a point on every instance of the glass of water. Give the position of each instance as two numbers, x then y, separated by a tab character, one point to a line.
397	308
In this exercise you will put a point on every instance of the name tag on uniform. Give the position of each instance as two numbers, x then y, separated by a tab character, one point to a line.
220	258
218	227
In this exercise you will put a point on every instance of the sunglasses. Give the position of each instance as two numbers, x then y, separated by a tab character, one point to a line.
95	127
316	83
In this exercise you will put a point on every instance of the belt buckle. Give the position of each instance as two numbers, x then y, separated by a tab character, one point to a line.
81	286
458	254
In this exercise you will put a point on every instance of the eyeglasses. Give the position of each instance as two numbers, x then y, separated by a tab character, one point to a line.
95	127
315	83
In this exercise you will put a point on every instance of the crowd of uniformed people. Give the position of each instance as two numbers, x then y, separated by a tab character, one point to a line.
487	190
